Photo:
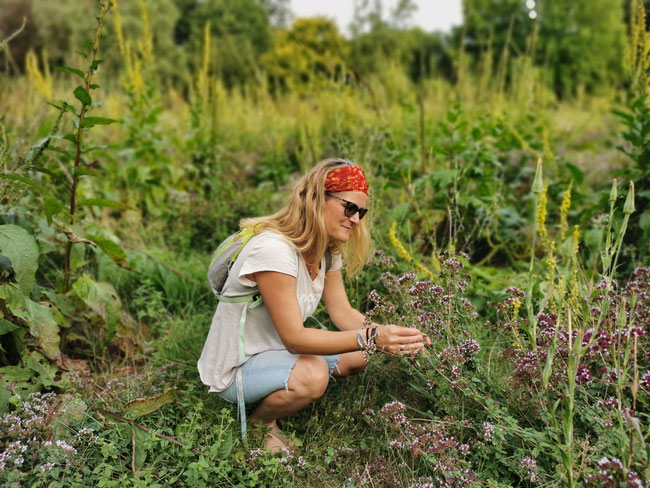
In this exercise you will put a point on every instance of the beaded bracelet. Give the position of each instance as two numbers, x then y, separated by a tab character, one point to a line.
361	341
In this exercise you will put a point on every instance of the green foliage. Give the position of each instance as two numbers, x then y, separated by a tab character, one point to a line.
310	50
580	45
163	161
20	248
240	31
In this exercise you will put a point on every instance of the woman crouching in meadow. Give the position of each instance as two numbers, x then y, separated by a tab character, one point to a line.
264	354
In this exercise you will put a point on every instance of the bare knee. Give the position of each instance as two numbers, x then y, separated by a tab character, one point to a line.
309	377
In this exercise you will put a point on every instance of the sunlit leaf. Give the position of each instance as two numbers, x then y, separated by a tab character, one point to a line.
144	406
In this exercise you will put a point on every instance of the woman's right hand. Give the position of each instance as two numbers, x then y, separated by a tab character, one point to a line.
393	339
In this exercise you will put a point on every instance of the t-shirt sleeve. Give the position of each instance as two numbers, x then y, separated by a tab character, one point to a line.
337	262
268	252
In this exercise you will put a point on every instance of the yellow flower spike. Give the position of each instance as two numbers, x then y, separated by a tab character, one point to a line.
541	216
574	264
401	250
404	254
41	80
146	46
564	210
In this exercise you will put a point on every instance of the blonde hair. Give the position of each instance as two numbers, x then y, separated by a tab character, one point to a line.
302	220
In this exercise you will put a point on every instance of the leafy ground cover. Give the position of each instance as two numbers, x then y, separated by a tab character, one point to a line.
494	234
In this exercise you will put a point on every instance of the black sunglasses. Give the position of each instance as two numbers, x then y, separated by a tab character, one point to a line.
350	207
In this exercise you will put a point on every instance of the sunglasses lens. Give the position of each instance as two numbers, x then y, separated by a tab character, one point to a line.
351	209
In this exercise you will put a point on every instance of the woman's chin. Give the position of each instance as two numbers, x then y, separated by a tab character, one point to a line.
340	236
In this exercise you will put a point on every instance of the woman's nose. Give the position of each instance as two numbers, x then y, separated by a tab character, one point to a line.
355	218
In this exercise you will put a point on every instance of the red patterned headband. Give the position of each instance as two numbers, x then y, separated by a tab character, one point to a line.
346	178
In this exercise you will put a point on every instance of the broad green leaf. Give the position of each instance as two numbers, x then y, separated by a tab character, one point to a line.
7	327
58	317
42	325
94	86
22	179
44	369
21	248
144	406
92	121
95	64
112	249
101	202
16	373
83	96
102	299
61	302
138	451
67	69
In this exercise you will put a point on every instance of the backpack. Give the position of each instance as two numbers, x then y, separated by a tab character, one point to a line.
221	263
224	258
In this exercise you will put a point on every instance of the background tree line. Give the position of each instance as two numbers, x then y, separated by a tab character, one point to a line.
574	44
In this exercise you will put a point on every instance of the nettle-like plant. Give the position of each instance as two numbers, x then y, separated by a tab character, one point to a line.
61	234
560	377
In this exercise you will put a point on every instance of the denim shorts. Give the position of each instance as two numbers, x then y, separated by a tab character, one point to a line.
265	373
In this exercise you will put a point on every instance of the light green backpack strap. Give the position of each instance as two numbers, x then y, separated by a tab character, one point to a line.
252	302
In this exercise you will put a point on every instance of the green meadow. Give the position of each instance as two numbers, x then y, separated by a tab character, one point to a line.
509	168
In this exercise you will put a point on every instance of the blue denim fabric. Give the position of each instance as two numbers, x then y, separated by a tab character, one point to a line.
265	373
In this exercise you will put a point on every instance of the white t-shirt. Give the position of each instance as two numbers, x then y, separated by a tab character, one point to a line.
267	251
